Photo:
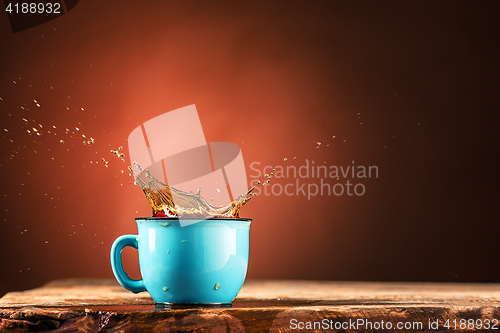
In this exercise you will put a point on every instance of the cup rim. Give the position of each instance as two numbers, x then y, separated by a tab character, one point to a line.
226	219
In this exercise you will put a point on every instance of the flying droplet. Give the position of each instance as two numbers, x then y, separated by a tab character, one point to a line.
285	159
61	141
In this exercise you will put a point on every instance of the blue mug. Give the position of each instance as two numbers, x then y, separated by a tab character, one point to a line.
187	260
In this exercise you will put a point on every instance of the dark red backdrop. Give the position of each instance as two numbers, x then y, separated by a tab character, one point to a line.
410	87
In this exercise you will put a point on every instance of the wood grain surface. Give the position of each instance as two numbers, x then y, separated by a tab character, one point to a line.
101	305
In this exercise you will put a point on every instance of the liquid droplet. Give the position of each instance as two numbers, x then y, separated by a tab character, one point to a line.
217	286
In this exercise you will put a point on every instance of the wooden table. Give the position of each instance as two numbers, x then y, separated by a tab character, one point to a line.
101	305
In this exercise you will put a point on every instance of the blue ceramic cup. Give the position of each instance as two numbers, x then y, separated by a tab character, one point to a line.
187	260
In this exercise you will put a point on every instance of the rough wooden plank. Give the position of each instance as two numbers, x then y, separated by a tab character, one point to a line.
276	306
274	319
81	292
75	292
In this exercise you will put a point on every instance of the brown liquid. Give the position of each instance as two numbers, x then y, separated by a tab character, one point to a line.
168	201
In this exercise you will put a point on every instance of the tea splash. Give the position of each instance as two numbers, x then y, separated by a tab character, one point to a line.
170	202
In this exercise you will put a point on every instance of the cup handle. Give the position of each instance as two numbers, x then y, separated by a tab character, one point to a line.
121	242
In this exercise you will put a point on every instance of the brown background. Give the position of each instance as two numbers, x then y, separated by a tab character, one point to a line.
412	87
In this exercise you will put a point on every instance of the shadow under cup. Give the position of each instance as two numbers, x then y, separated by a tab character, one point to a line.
187	260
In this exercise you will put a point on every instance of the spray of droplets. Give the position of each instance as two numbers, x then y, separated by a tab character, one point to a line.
63	136
118	153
